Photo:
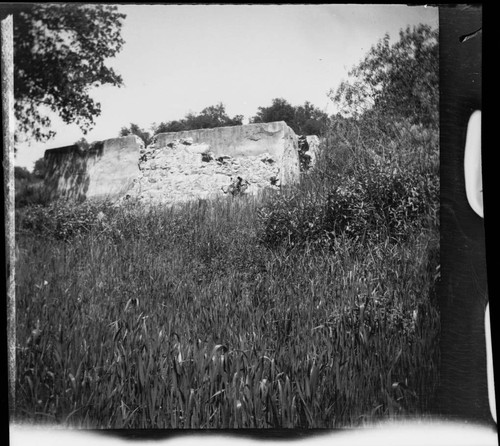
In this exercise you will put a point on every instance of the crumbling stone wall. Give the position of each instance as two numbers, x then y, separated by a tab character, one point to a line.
180	166
183	170
275	139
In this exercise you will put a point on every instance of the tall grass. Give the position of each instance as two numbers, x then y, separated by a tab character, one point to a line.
208	316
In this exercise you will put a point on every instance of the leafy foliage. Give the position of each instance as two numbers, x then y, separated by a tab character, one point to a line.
83	144
62	220
40	168
314	309
280	110
210	117
303	119
377	176
396	82
22	174
29	185
60	54
134	129
382	202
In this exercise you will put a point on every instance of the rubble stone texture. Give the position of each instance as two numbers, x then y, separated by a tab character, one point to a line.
179	166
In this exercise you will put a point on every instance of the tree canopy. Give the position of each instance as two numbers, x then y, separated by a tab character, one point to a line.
60	54
82	143
22	174
303	119
210	117
398	81
134	129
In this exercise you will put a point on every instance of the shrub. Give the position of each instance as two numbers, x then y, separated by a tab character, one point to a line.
361	192
63	220
28	193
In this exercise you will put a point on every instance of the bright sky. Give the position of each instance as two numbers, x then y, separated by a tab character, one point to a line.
183	58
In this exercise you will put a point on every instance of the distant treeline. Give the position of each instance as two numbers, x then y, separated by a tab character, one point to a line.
389	102
303	119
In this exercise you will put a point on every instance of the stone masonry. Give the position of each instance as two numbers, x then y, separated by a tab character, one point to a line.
180	166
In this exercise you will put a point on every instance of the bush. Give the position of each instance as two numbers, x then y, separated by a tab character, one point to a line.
190	323
29	185
364	193
28	193
63	220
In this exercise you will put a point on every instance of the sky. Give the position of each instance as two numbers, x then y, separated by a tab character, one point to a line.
182	58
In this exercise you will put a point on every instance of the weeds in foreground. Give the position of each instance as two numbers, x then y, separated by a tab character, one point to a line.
312	308
183	320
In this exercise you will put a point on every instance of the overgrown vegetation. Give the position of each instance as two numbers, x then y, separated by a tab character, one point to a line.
183	319
28	185
309	307
365	193
302	119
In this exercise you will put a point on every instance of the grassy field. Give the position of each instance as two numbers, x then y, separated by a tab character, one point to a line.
241	312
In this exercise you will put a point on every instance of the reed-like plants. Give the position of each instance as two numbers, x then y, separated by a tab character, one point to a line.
201	316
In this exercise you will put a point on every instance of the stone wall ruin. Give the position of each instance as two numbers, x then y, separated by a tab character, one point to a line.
107	170
181	166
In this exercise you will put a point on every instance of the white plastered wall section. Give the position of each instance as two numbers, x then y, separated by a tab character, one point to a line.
107	170
114	172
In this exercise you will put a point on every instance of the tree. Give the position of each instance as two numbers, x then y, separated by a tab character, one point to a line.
171	126
40	168
134	129
22	174
398	82
29	185
303	119
83	144
280	110
310	120
210	117
60	54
